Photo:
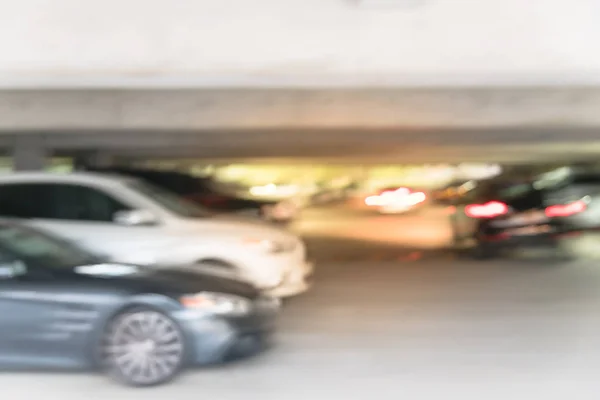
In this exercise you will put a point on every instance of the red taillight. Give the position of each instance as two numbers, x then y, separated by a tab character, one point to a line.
566	210
488	210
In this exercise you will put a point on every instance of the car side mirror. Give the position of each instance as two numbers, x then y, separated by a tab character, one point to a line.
135	218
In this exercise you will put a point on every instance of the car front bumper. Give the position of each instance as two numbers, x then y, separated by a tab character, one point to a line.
212	340
296	281
543	240
282	274
524	240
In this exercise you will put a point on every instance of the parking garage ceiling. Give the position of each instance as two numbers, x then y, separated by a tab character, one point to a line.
366	125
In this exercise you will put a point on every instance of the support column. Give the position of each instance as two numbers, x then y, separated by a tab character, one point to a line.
29	153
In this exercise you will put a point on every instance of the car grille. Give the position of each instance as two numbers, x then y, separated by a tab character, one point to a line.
265	303
286	246
289	245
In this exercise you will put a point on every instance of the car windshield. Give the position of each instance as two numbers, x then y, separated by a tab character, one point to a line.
512	191
172	202
31	246
577	179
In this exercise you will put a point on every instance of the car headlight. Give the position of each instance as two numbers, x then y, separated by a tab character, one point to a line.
217	303
270	246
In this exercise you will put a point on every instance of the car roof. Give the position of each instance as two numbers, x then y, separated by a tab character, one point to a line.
71	177
6	222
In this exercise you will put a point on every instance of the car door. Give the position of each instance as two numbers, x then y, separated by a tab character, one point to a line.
82	214
50	314
86	215
26	315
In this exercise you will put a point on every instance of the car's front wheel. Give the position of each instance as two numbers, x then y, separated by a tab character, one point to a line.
484	251
143	347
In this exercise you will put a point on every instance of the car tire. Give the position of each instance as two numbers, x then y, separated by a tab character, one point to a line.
215	262
483	252
282	222
569	249
143	347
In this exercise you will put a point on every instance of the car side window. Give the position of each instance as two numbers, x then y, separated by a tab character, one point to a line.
21	201
58	201
82	203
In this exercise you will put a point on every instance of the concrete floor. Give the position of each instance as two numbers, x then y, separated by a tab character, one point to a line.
389	320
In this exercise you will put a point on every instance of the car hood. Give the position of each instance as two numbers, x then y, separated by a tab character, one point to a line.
216	200
233	226
171	281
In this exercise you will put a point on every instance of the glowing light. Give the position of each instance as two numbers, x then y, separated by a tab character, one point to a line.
373	201
488	210
401	198
272	189
566	210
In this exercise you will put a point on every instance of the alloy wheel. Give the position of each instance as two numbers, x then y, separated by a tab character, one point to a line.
144	348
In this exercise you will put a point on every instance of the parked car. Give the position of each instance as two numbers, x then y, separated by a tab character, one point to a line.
549	210
202	191
396	200
61	306
454	192
133	221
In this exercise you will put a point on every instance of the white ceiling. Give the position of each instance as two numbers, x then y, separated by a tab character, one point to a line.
296	42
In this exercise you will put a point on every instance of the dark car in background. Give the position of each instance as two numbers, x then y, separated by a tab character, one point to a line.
546	210
202	191
454	192
61	307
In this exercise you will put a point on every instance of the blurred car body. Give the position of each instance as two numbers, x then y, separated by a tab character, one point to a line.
548	210
327	193
396	200
202	191
454	192
133	221
63	307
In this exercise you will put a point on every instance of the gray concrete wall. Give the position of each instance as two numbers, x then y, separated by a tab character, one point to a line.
392	125
209	109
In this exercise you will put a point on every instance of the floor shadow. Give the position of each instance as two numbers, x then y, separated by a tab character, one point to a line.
327	248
